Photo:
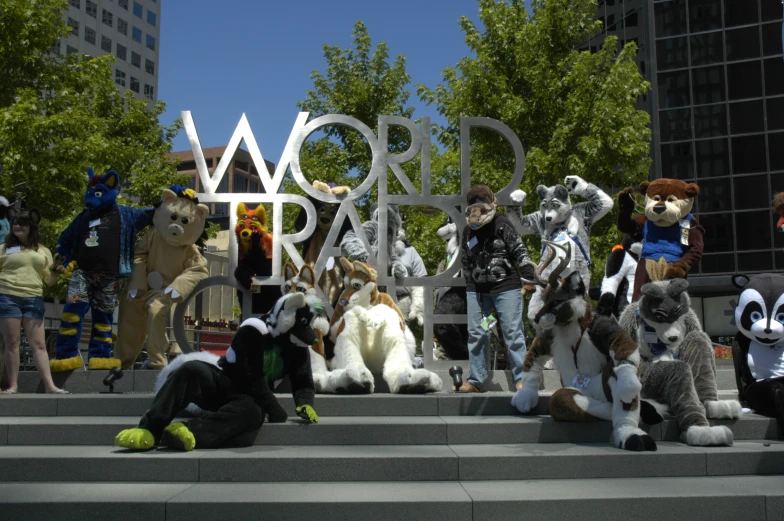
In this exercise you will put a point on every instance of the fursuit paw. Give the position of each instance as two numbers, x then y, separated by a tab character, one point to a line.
633	439
626	200
722	409
321	382
525	400
651	412
399	270
627	385
706	436
416	381
575	184
66	364
306	412
277	415
178	436
518	197
355	379
136	439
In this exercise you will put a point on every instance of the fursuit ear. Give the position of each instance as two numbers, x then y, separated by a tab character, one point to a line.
692	190
112	179
306	274
289	271
652	290
261	215
294	302
347	266
560	192
740	281
90	173
367	269
202	210
676	287
575	282
541	191
644	187
167	195
35	216
242	210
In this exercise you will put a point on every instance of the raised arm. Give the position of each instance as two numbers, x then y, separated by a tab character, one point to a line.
596	205
626	222
525	224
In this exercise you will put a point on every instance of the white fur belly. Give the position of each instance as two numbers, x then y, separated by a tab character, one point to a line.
765	362
587	374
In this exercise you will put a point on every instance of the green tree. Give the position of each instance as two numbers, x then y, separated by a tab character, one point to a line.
60	115
574	111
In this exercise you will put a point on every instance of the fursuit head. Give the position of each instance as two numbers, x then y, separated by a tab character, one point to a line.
370	335
557	220
597	360
288	325
303	281
678	370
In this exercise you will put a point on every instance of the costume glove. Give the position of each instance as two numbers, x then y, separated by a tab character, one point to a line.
626	200
306	412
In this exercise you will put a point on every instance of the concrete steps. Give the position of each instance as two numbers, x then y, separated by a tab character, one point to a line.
379	457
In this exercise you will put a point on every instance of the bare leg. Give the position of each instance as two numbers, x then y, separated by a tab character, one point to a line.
34	329
10	328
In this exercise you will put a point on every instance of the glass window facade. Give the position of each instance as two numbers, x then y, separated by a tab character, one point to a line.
719	86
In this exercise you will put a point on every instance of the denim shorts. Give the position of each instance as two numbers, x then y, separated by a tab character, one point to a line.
12	306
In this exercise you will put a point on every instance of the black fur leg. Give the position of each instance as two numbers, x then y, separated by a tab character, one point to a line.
413	389
634	443
649	415
605	305
779	403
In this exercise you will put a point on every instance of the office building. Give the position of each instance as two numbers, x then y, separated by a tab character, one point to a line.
128	29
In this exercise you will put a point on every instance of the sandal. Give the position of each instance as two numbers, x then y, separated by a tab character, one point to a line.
59	391
9	391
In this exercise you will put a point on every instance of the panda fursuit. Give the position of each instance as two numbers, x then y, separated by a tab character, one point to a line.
597	360
678	369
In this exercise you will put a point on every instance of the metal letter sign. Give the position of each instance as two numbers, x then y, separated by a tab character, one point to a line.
383	163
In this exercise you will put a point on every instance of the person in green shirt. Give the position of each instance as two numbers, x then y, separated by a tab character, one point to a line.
24	266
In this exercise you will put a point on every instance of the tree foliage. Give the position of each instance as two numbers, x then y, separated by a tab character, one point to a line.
60	115
574	111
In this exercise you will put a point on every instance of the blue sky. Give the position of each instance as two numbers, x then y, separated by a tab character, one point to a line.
220	59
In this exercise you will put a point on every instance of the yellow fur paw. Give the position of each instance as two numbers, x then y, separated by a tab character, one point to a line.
178	436
67	364
137	439
102	363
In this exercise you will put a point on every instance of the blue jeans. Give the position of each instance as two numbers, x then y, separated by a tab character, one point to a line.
12	306
509	311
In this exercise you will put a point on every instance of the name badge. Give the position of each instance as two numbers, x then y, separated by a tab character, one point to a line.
580	381
12	250
650	337
685	228
95	222
330	263
473	242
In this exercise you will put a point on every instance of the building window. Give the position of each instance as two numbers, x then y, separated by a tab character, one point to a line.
240	184
123	4
745	80
673	89
106	44
122	26
134	85
191	182
136	59
670	18
107	18
746	117
138	10
148	91
718	232
136	34
149	66
92	8
74	25
71	50
774	76
704	15
242	165
675	125
56	47
749	155
119	78
75	3
743	44
89	35
707	48
740	12
122	52
707	85
152	19
710	121
713	159
672	53
186	165
150	42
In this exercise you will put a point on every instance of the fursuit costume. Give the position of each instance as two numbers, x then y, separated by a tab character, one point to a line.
254	243
233	392
618	284
678	370
166	268
97	249
494	258
672	241
758	349
452	338
560	222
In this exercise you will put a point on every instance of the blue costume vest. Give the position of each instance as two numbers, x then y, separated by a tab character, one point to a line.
663	241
